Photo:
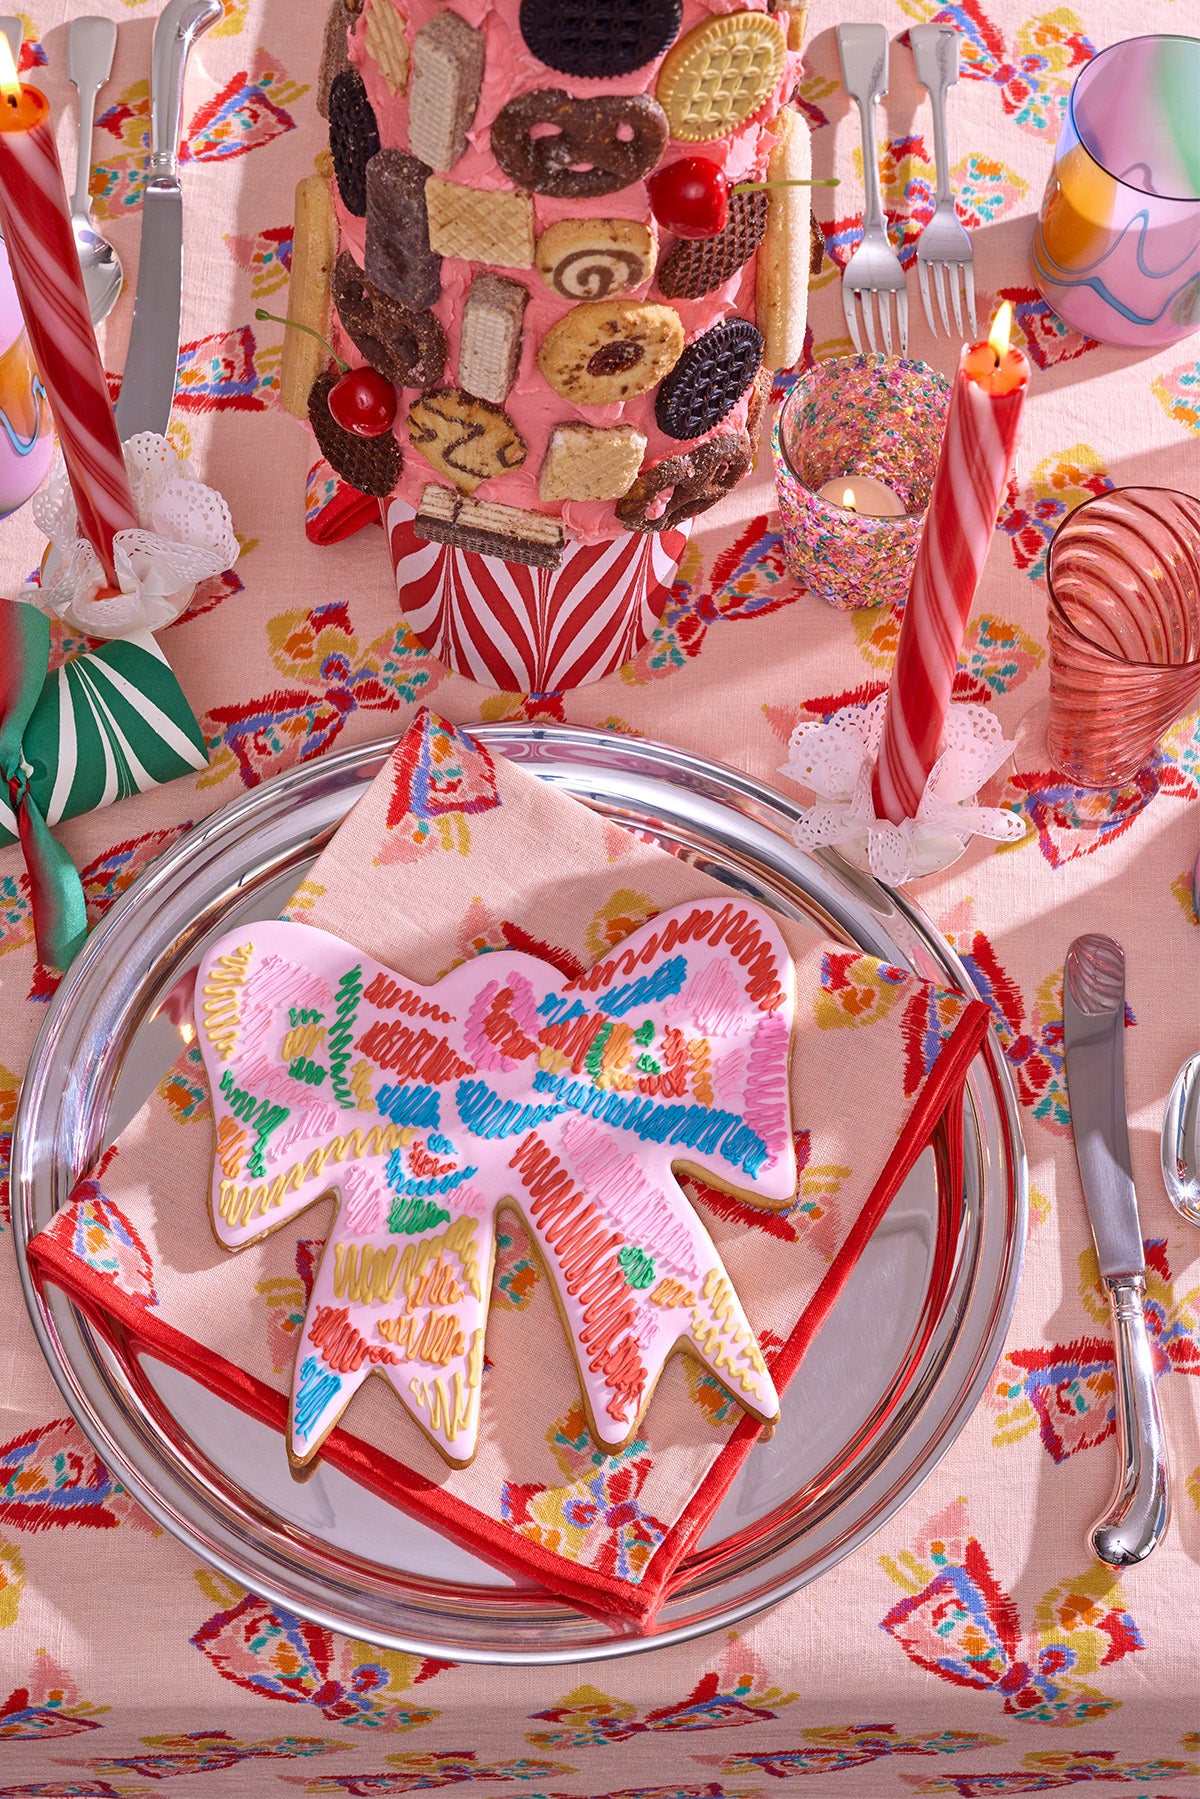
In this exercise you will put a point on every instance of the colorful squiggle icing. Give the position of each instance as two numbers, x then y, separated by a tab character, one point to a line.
572	1100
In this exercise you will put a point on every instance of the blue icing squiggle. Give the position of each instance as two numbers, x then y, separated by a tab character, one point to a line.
666	980
565	1008
400	1182
420	1106
317	1387
487	1115
695	1127
441	1146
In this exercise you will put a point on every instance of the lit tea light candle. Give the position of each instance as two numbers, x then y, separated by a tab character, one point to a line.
862	493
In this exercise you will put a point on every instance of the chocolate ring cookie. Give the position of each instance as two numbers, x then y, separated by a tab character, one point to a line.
692	483
610	350
599	37
407	346
709	378
582	155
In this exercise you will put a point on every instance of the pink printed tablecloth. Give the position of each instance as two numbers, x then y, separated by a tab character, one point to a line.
973	1646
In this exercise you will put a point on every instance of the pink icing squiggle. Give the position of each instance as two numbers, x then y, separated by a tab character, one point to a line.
317	1119
616	1184
766	1100
714	1001
468	1199
479	1046
366	1201
274	985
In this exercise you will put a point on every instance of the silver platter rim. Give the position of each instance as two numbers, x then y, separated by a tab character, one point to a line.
703	808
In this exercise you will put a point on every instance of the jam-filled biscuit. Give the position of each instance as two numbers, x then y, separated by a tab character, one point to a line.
709	379
549	143
610	350
681	486
405	344
599	38
464	439
592	259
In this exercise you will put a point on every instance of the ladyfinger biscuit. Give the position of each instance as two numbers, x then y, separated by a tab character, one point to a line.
490	345
398	257
314	244
447	69
781	276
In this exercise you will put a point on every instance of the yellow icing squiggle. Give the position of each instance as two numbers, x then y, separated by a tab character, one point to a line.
220	1000
237	1205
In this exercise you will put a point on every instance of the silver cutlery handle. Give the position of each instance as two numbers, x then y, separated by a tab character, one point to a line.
180	23
1137	1518
863	54
91	45
935	52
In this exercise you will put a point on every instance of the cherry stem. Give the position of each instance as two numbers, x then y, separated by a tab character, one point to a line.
295	325
752	187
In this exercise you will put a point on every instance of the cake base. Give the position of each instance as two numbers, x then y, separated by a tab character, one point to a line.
533	630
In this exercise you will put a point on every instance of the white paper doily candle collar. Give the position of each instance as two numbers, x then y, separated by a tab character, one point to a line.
836	759
186	535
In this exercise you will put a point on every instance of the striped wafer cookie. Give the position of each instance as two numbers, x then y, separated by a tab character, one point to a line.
447	68
489	528
490	344
384	41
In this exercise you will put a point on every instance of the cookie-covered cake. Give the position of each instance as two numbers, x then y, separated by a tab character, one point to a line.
570	370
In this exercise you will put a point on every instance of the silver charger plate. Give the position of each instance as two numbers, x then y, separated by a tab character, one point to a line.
887	1385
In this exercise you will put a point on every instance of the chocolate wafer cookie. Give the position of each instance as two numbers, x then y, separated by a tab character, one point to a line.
709	379
599	37
353	138
398	257
489	528
372	464
406	346
696	265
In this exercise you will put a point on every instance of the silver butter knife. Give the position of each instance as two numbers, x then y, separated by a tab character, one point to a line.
148	385
1093	1034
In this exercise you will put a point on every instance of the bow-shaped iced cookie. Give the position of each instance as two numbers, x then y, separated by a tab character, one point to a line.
424	1109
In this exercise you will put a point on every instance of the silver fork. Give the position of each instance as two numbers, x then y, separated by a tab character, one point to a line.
944	249
874	267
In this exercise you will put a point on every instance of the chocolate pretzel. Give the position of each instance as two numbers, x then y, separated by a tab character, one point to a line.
692	483
582	156
406	345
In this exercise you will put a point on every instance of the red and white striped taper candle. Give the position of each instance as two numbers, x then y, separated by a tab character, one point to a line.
973	467
45	267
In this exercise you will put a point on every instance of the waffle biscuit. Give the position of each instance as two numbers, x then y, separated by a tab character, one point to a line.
335	52
480	225
489	528
399	258
314	242
709	379
781	273
447	69
593	259
490	343
408	347
583	462
583	155
464	439
691	482
605	351
696	265
718	74
385	43
353	138
599	38
372	464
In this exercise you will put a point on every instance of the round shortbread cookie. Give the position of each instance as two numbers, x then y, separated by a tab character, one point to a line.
719	74
610	350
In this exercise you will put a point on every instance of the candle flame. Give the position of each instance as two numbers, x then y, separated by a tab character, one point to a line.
848	499
1001	332
10	86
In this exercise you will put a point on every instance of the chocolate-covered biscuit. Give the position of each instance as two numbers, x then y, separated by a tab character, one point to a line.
696	265
353	138
709	379
372	464
582	155
691	482
398	257
407	346
599	37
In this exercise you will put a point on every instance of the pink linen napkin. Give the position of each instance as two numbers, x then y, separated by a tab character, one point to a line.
451	854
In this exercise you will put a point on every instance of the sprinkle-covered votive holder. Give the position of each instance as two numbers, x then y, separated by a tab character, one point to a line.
868	429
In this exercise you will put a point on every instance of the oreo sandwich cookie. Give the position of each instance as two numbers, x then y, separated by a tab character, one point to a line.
709	379
599	38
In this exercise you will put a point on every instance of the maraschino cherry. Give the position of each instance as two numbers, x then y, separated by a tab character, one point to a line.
690	196
362	401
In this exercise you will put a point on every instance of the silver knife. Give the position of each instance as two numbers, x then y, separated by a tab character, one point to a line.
148	384
1093	1034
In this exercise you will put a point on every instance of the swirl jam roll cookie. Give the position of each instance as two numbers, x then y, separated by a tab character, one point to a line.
593	259
611	350
571	149
464	439
719	74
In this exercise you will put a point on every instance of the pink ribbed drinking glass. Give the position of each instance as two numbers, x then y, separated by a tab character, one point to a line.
1124	575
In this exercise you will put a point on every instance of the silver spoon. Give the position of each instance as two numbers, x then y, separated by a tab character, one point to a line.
90	47
1181	1124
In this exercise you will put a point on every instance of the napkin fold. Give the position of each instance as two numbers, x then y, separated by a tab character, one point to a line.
451	854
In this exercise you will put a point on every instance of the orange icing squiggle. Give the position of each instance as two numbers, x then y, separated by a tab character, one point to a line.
342	1347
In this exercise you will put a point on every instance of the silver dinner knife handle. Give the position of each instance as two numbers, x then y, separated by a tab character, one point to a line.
1136	1519
180	23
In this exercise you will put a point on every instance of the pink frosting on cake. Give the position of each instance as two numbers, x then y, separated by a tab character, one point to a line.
532	405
